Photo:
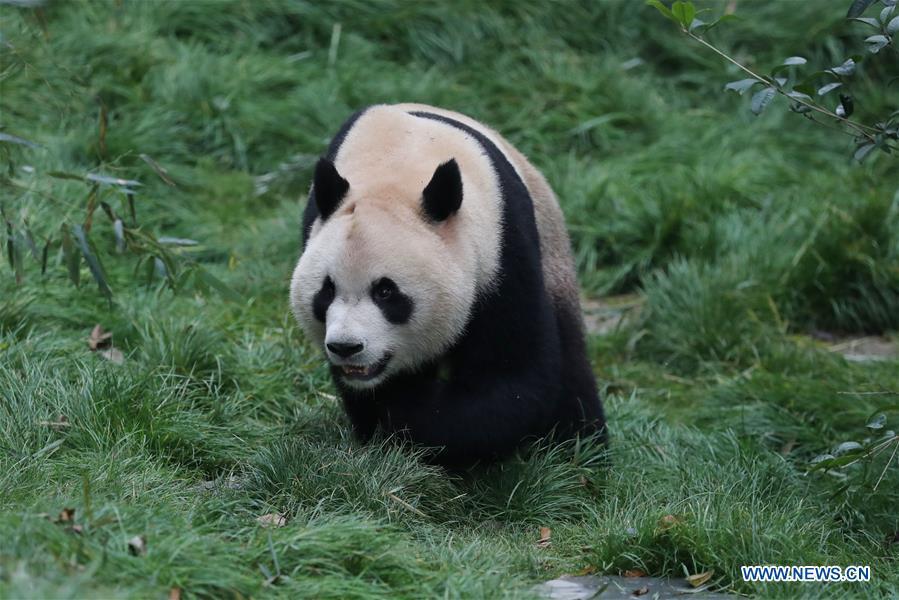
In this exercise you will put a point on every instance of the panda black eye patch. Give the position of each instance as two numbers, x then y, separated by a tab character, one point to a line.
323	299
395	305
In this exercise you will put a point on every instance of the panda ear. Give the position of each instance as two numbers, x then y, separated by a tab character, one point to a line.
329	187
443	195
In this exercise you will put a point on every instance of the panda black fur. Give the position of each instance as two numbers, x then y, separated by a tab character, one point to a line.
436	274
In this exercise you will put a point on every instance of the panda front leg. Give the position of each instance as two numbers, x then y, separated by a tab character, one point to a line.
363	416
467	424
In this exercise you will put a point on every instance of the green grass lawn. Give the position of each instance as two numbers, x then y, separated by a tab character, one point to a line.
744	240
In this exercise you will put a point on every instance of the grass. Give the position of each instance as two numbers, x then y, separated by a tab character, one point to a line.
741	235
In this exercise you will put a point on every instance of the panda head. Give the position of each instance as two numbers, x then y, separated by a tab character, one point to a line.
380	285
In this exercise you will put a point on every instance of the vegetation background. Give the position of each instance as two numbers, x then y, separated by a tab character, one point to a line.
735	254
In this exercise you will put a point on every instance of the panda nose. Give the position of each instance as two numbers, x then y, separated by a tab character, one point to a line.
344	350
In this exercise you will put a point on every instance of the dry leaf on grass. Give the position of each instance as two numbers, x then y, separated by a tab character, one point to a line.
788	447
60	422
99	338
113	355
588	570
545	534
175	593
66	515
669	521
700	578
634	573
272	520
137	545
100	341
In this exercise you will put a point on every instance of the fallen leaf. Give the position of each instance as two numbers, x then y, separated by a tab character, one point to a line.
788	447
60	422
66	515
272	520
137	545
634	573
113	355
76	529
700	578
669	521
99	338
641	591
175	593
588	570
545	534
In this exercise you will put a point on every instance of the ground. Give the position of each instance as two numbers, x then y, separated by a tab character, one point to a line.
730	265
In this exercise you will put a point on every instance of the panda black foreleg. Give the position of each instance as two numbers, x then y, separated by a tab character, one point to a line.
363	416
473	423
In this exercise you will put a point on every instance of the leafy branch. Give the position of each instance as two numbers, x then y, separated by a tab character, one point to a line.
882	135
850	453
158	258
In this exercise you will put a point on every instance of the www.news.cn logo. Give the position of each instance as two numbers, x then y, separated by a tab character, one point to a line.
805	573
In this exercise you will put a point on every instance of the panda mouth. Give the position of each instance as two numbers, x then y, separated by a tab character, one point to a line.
364	372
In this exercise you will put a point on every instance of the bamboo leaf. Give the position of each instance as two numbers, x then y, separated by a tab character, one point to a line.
858	7
119	229
173	241
44	255
876	43
110	212
794	60
863	151
761	100
127	183
877	422
71	256
845	69
867	21
29	242
893	26
799	95
829	88
683	12
93	263
662	9
846	448
741	86
14	139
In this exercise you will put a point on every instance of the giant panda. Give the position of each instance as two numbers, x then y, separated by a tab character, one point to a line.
436	274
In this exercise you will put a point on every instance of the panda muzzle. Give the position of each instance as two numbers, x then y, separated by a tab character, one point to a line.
364	372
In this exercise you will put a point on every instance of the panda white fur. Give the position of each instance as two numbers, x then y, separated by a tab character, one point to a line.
437	276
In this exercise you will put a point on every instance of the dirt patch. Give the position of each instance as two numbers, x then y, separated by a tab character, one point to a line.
865	349
603	316
613	587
